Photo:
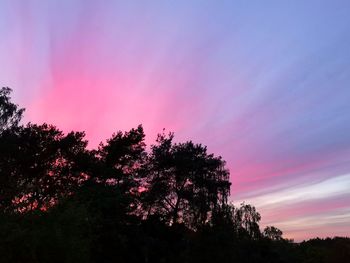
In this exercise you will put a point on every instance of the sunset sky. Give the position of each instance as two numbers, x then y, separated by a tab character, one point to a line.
264	84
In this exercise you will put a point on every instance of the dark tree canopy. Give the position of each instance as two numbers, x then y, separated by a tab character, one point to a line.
272	233
184	183
122	158
40	166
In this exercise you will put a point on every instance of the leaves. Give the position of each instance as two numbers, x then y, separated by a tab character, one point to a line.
10	114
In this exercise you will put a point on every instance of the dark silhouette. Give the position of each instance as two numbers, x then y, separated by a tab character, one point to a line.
10	114
183	184
60	202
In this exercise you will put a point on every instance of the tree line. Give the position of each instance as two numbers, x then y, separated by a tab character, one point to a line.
63	202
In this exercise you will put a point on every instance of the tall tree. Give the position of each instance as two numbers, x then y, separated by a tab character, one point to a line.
120	163
184	183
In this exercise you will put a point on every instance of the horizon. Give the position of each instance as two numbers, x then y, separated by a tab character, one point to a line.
262	85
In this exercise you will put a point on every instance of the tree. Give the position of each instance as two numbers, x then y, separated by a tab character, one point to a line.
246	220
121	158
40	165
184	183
272	233
10	114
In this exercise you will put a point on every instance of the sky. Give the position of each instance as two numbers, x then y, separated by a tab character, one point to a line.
264	84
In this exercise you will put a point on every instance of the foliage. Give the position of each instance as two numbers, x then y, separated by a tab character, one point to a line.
184	183
40	165
10	114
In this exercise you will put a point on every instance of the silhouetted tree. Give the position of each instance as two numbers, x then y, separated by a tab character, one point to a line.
120	163
272	233
40	165
10	114
122	157
246	220
184	183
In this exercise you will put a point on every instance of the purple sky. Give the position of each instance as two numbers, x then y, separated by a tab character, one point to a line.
264	84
